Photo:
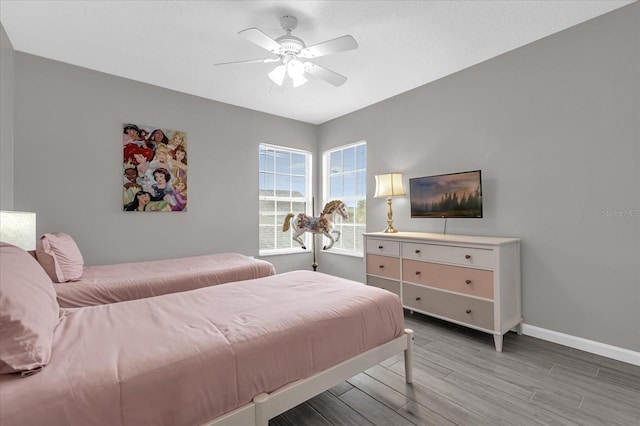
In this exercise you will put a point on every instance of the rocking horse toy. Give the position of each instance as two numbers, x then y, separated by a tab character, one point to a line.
322	224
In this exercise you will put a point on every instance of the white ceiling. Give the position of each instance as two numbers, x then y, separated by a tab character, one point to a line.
175	44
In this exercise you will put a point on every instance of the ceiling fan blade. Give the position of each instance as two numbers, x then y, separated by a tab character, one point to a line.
251	61
259	38
325	74
340	44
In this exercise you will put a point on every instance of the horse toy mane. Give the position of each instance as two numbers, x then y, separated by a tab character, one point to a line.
331	206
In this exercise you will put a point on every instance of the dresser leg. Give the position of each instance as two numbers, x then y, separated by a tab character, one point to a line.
497	338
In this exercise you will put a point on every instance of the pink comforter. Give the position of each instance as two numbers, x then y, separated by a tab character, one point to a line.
186	358
127	281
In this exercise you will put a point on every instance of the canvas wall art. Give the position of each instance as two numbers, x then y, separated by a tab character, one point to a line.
154	169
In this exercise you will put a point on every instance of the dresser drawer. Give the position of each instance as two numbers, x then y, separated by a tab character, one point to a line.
392	286
467	310
465	256
383	247
476	282
383	265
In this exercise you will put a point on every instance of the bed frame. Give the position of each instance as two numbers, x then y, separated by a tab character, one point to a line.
268	405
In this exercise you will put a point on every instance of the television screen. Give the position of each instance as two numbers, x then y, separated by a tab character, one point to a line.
450	196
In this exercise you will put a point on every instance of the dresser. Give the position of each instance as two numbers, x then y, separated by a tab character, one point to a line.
468	280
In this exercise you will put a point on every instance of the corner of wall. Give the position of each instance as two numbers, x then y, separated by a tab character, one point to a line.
6	120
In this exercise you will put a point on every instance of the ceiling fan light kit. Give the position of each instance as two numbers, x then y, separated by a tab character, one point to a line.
289	49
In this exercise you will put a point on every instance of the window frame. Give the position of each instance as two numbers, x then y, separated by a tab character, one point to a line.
326	187
307	199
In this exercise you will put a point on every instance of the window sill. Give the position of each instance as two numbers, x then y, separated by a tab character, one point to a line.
339	252
268	253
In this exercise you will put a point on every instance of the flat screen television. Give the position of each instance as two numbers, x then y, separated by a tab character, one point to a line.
454	195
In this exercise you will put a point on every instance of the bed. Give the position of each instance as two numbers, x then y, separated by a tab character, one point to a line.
223	355
113	283
77	285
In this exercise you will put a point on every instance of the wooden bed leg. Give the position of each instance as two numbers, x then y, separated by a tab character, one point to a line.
261	417
408	356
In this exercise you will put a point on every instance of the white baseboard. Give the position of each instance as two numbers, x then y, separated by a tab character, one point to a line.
609	351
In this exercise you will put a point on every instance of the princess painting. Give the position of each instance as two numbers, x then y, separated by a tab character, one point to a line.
154	167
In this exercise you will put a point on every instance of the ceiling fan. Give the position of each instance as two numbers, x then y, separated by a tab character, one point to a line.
291	51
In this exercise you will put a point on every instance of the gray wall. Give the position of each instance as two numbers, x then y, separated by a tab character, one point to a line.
6	121
68	164
554	128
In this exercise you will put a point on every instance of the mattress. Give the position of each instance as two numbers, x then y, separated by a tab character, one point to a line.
186	358
127	281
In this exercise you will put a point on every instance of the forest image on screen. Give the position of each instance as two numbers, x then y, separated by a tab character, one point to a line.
455	195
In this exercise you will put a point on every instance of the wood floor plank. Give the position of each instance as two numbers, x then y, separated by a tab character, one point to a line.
616	413
558	355
421	415
568	409
341	388
511	356
514	410
621	378
595	389
337	412
372	410
302	414
379	391
608	363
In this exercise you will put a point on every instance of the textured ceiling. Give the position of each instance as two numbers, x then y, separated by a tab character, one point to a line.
175	44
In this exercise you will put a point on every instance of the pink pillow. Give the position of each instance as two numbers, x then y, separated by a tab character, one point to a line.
60	257
29	312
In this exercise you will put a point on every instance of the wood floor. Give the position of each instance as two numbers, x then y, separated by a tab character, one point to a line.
459	379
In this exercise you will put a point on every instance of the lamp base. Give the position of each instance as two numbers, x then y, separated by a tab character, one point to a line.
390	229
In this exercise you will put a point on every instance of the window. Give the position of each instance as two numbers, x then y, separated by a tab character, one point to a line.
284	187
345	178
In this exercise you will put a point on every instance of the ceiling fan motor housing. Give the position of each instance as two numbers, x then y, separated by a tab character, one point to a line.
290	44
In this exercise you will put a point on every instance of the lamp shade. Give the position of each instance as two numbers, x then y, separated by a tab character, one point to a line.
277	75
18	228
389	185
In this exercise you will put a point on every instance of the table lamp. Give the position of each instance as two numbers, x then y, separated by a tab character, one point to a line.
389	185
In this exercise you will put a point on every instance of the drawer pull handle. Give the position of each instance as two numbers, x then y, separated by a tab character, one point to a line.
468	311
417	251
467	282
467	256
417	272
380	247
418	298
381	266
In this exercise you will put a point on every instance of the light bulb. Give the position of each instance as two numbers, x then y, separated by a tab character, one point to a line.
277	75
